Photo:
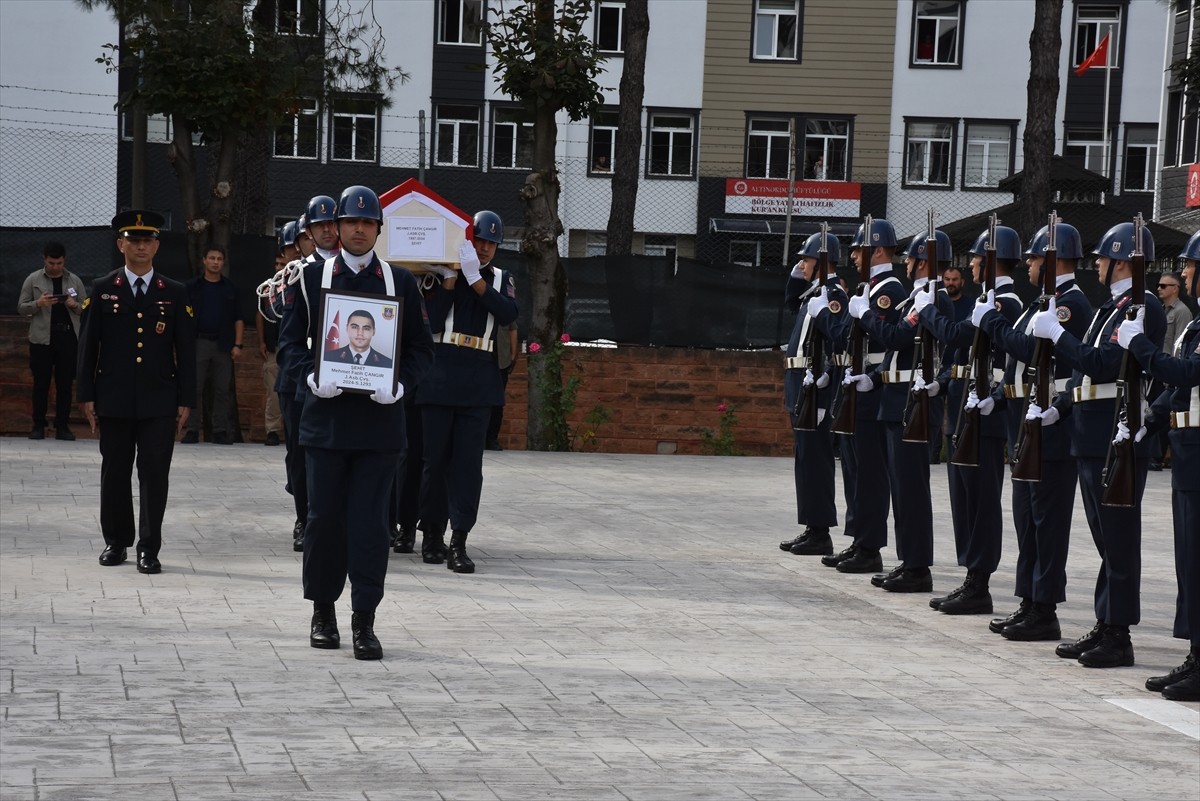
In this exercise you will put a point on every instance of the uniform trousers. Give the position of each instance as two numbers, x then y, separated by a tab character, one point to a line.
1185	508
1022	512
845	446
406	497
149	441
215	366
816	503
1051	502
272	416
1117	533
294	464
453	456
347	531
976	508
912	507
871	503
55	360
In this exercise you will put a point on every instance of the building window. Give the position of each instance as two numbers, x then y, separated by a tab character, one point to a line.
610	26
777	30
596	244
512	140
1141	156
987	154
457	136
1085	148
354	129
301	17
826	149
929	152
936	33
671	144
747	253
1091	26
1181	140
603	145
297	136
767	149
661	245
158	127
460	22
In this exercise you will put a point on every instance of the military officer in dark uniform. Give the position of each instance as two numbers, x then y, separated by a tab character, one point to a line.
816	504
137	381
466	312
1090	401
351	441
1179	410
1042	509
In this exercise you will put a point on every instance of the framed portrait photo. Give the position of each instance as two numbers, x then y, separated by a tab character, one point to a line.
362	341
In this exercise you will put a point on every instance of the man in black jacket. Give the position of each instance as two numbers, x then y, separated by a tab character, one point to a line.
219	330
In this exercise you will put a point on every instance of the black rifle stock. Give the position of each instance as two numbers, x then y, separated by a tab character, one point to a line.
843	418
1027	461
806	411
916	409
1120	471
967	438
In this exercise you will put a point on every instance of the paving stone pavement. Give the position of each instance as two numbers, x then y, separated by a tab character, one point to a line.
633	633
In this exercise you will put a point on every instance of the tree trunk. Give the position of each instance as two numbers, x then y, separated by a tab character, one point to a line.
182	156
629	130
1045	44
220	204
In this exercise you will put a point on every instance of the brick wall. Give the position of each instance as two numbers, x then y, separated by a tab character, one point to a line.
660	398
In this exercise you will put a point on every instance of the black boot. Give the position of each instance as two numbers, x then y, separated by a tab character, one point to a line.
999	624
975	599
911	579
433	547
1191	664
864	560
787	545
324	627
1186	689
815	543
405	540
298	536
834	559
878	579
366	644
1072	650
457	559
1114	649
936	602
1039	623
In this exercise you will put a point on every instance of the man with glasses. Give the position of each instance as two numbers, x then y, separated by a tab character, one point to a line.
1170	286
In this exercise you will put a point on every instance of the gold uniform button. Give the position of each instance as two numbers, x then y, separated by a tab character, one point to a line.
139	359
141	345
139	330
139	315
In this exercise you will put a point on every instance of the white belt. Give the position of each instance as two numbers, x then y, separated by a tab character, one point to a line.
965	371
896	376
1094	392
1185	420
841	360
797	362
465	341
1021	389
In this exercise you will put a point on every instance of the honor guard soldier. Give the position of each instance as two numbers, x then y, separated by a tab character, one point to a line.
1042	508
466	312
808	386
1179	410
880	299
137	381
351	441
975	490
1090	400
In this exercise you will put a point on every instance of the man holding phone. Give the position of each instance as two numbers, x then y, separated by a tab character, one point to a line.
52	298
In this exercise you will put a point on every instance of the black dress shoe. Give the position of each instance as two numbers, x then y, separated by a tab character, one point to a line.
64	434
1072	650
112	555
786	545
834	559
456	557
974	598
817	543
366	644
1186	689
864	560
272	439
1115	649
405	540
324	631
1190	665
298	536
190	438
38	432
148	564
878	579
1038	624
999	624
913	579
433	549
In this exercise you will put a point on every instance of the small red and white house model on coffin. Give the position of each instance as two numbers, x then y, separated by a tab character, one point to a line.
420	227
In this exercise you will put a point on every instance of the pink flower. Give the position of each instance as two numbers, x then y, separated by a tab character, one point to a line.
534	347
565	338
722	408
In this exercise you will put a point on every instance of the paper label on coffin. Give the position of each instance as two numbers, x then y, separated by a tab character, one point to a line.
420	227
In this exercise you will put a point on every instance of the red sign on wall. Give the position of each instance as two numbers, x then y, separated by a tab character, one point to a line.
1193	187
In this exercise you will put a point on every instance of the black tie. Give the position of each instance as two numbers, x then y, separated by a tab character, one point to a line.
139	286
358	358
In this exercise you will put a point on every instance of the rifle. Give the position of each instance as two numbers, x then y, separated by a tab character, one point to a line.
1027	458
967	438
916	409
843	417
1120	472
806	404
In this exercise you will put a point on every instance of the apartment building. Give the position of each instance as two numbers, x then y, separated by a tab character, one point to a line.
1179	155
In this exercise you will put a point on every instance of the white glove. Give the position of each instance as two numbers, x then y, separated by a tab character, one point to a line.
469	261
982	307
330	390
821	381
922	300
931	389
441	271
385	395
798	269
859	304
1048	417
1046	324
985	406
862	383
1123	433
820	416
818	303
1128	329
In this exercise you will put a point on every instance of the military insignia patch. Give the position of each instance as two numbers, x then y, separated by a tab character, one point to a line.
191	312
884	302
88	302
389	312
1062	313
835	306
159	327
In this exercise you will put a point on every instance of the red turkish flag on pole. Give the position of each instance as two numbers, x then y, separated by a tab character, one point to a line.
1098	56
334	336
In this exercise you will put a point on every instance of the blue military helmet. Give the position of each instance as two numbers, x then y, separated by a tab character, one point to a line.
287	235
1008	244
1191	251
812	248
321	208
883	235
916	248
302	224
489	227
1067	243
360	202
1118	243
